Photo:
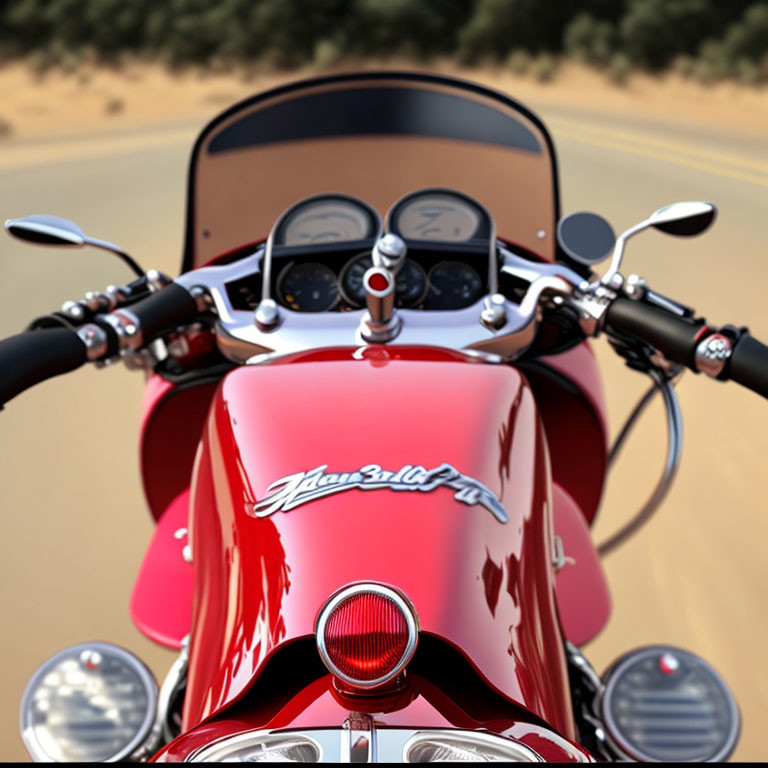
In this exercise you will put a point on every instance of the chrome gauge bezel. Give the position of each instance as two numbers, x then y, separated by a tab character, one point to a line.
297	264
462	264
483	232
374	219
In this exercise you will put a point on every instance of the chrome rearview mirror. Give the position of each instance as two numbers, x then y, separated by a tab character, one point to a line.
46	230
53	230
682	219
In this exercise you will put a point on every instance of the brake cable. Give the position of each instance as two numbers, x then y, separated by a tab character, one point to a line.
663	382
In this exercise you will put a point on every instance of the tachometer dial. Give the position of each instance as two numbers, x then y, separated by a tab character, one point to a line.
328	219
308	287
410	284
453	285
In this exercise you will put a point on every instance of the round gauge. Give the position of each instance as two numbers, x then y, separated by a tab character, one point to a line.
328	220
308	287
439	216
410	285
453	285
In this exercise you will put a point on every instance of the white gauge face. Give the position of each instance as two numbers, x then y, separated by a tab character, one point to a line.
327	221
438	217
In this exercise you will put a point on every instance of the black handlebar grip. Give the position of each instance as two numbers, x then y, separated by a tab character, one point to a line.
34	356
168	308
749	365
675	337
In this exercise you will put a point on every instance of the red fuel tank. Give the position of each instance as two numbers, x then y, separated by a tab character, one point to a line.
420	470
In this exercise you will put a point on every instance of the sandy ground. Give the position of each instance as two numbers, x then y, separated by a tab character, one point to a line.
57	104
696	577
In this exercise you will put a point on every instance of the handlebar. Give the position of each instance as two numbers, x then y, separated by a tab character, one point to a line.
735	356
675	337
34	356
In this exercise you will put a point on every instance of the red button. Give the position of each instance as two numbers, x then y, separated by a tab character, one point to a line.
378	282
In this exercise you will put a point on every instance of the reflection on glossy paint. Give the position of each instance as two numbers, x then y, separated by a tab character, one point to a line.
506	434
492	577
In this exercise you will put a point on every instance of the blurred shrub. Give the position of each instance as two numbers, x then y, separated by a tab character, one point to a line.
6	129
589	40
684	65
327	53
619	69
519	62
714	63
544	67
747	72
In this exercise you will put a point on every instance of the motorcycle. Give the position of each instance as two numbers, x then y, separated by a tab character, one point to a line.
372	535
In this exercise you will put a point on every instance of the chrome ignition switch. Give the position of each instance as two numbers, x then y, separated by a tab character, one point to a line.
381	323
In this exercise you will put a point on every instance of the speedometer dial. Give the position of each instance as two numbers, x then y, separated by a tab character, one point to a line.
453	285
410	284
308	287
439	215
328	219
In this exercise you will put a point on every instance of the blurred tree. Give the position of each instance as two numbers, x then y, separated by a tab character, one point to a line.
391	26
748	38
590	40
499	26
653	32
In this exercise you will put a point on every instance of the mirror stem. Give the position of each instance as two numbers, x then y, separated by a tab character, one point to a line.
618	251
118	252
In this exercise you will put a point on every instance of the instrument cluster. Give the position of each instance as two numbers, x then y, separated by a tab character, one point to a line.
322	248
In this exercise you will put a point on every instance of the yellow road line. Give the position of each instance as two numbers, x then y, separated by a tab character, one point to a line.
665	156
726	158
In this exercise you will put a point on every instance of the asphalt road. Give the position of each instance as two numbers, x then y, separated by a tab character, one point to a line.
74	520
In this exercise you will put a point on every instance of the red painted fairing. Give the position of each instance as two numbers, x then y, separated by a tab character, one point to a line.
484	586
161	603
583	599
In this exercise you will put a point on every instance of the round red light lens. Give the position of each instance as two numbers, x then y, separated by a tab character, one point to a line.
378	282
366	636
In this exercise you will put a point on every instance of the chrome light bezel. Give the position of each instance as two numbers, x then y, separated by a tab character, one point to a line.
405	607
515	751
32	744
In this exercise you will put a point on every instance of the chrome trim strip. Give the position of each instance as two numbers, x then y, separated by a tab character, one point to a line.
406	608
391	744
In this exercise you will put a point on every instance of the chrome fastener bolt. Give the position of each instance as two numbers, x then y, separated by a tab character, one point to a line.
267	315
494	314
636	287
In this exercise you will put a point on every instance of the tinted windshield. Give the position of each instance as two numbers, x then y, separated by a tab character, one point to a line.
376	136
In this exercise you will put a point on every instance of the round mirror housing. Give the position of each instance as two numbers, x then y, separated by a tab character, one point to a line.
585	237
46	230
91	702
684	219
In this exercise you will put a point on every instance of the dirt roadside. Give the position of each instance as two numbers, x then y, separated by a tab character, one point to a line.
140	95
